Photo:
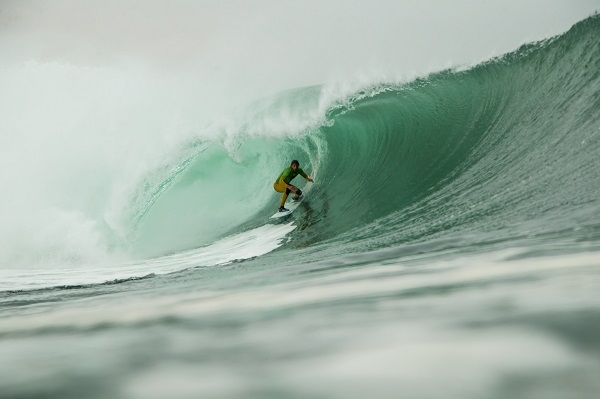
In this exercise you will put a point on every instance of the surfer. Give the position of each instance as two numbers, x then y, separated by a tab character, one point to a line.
282	184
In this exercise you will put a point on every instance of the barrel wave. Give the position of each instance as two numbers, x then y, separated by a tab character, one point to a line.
510	146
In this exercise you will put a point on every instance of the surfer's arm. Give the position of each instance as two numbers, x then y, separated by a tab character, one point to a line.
307	177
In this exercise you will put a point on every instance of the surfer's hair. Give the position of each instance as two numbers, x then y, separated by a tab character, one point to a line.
295	162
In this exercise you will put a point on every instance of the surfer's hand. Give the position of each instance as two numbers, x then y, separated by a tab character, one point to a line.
310	180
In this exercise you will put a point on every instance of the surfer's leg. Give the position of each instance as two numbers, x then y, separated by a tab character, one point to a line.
298	193
283	199
282	188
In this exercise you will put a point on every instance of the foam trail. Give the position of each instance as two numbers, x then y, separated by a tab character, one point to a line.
240	246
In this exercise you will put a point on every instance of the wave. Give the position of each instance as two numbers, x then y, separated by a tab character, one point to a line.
514	139
510	145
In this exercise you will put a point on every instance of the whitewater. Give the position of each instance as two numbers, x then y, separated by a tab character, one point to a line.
449	246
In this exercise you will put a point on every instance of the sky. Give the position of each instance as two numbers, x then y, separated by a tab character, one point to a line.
278	44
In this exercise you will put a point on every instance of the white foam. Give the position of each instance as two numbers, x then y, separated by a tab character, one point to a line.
246	245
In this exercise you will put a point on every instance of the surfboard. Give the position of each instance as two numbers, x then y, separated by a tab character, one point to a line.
290	205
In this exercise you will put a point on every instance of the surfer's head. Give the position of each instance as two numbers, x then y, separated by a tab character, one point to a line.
295	162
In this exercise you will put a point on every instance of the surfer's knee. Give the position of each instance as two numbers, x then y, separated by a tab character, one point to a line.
287	191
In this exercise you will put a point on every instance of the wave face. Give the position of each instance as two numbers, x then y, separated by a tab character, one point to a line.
511	142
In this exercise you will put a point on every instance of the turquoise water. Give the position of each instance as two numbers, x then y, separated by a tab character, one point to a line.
448	248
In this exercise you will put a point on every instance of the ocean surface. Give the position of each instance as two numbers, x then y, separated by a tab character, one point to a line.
449	247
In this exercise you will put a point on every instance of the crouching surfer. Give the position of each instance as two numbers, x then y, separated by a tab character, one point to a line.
282	184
